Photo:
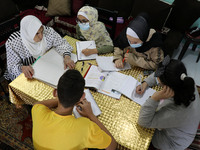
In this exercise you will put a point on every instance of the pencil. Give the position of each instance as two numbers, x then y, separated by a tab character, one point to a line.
124	57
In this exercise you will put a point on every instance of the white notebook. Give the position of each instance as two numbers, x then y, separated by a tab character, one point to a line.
50	67
95	108
107	64
128	89
81	45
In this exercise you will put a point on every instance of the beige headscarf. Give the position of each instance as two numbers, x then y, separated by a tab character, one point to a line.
97	30
29	26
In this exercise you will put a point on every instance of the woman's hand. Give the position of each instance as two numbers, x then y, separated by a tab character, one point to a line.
84	108
68	62
165	93
28	71
119	63
140	89
88	52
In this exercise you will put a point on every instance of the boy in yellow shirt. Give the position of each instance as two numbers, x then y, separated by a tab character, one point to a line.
58	130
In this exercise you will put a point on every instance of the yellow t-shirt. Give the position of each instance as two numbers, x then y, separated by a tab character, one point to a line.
55	132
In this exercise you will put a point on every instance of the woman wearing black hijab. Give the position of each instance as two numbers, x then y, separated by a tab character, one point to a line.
138	45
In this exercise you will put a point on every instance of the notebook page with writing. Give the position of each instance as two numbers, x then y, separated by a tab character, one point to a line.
94	77
113	79
95	108
107	64
81	45
128	89
140	99
50	67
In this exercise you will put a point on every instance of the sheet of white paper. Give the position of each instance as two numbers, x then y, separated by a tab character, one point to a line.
50	67
94	77
95	108
80	45
140	99
106	64
128	89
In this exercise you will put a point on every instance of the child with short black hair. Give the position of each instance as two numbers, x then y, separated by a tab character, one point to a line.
173	111
58	130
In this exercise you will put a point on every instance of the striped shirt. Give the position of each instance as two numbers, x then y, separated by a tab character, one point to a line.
18	55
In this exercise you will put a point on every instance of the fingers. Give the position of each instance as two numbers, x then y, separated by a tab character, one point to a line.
28	72
85	52
119	64
69	63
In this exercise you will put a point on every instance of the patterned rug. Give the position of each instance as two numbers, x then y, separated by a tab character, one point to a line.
15	127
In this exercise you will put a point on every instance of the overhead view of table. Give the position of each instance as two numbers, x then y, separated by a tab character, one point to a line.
119	116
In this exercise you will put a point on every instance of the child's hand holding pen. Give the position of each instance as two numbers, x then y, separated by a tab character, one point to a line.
126	55
140	89
87	51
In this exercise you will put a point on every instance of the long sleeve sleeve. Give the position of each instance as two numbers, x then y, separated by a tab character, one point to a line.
168	116
151	80
61	45
14	62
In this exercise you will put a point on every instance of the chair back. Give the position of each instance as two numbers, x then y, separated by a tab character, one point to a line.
109	18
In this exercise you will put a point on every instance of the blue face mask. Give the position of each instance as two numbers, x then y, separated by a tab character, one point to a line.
135	45
84	26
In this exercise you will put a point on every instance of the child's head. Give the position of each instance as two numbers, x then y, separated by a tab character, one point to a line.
138	30
173	73
87	16
70	88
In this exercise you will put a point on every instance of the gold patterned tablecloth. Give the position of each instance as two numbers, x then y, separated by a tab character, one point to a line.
119	116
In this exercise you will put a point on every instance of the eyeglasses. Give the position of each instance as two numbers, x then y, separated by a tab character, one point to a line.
84	21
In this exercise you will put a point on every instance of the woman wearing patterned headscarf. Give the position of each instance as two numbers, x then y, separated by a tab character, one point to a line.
33	40
89	28
138	45
174	110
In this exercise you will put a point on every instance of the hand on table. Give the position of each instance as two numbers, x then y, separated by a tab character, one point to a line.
165	93
119	63
68	62
84	108
140	89
28	71
88	52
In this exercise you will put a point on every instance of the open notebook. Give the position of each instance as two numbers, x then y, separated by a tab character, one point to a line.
128	89
50	67
95	107
106	64
81	45
104	82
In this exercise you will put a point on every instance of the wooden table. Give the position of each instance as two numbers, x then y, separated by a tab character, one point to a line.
119	116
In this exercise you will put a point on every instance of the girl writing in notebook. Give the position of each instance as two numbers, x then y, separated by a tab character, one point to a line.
173	111
138	45
33	40
90	29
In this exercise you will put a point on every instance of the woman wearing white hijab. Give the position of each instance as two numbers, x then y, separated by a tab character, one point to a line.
33	40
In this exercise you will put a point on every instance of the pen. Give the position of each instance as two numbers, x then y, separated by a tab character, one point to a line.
82	66
124	57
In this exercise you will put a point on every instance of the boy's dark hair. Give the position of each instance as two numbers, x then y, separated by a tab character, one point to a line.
183	89
70	88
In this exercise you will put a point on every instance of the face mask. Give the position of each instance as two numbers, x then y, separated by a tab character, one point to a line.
135	45
84	26
157	82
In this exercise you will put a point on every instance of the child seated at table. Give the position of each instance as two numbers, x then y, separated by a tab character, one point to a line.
89	28
33	40
138	45
173	111
57	129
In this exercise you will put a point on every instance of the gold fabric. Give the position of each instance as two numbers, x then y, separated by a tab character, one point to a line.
119	116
